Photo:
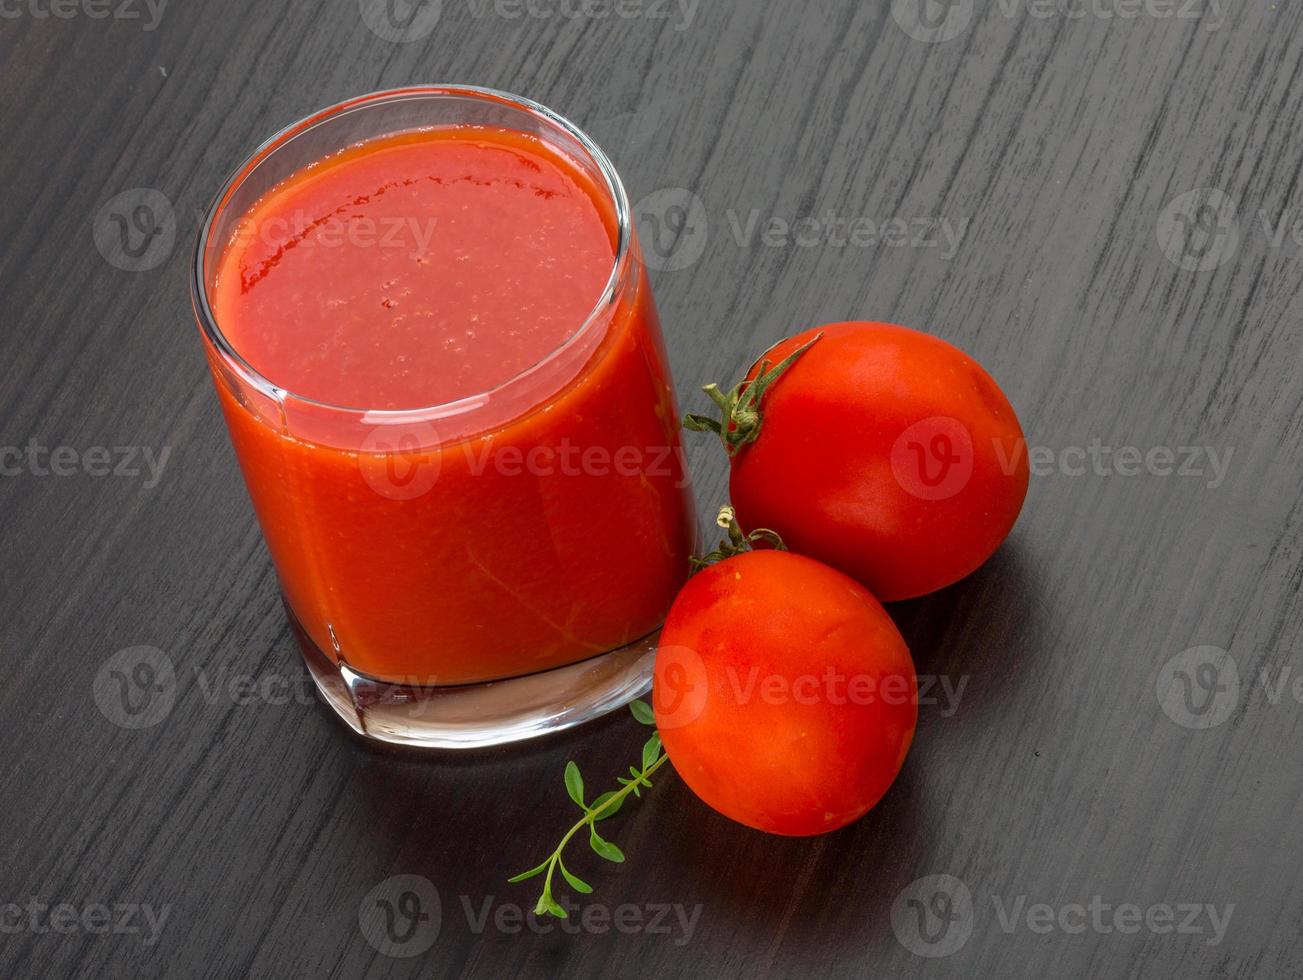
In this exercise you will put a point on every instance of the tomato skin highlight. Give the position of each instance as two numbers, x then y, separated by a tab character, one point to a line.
784	695
886	453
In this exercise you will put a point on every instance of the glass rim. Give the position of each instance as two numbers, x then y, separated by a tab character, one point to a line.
212	330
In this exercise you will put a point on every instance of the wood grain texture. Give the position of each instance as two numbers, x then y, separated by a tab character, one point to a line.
1058	143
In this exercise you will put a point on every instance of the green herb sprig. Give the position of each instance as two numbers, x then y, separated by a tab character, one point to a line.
605	805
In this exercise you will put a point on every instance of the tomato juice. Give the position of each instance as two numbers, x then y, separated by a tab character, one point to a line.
463	447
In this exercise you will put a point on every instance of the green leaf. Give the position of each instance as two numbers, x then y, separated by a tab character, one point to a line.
547	906
605	848
642	712
651	751
574	783
577	883
701	423
531	873
609	811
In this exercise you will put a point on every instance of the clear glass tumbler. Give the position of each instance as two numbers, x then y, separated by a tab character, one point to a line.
492	568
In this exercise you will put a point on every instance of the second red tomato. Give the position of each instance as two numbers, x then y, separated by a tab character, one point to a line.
885	452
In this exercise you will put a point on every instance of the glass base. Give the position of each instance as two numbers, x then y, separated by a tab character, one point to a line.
491	713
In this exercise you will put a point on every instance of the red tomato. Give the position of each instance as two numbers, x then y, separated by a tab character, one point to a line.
784	695
886	453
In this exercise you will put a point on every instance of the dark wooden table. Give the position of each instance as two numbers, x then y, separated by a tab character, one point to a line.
1109	784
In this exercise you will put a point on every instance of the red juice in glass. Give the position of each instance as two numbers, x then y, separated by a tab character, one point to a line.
439	361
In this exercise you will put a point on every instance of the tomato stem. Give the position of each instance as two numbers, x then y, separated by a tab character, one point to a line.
738	541
739	408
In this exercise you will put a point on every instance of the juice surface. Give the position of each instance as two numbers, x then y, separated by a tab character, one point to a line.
416	269
551	523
